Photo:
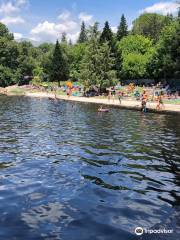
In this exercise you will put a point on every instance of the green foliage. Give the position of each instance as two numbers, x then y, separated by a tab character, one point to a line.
137	52
37	76
134	65
7	76
135	44
94	31
166	60
152	50
97	64
4	32
46	47
106	35
83	34
150	25
27	60
122	29
9	53
77	54
108	75
59	67
64	38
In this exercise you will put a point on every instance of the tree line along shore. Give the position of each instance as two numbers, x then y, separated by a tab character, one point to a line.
102	58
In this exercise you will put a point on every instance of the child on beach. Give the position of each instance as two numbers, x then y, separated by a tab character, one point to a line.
69	92
109	96
159	102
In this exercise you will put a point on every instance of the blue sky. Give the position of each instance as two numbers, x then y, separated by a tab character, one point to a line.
45	20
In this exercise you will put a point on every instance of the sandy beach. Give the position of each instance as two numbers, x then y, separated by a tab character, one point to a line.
129	104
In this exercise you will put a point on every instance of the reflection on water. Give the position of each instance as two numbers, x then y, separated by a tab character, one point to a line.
68	172
50	213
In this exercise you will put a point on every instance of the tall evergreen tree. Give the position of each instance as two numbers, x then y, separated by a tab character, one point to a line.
94	31
122	28
106	35
179	13
97	65
83	34
63	38
70	42
59	68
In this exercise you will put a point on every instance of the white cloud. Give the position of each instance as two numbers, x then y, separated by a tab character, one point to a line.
10	12
12	20
66	22
73	36
43	27
8	8
162	8
114	29
130	26
20	3
85	17
18	36
46	31
12	7
64	15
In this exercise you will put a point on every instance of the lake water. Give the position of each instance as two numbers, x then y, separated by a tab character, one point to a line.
68	172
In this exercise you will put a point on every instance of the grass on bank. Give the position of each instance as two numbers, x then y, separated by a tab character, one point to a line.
172	101
17	91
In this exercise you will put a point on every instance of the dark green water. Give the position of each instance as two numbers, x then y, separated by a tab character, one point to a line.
68	172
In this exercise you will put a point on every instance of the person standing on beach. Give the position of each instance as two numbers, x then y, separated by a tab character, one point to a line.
109	96
120	96
68	92
113	95
144	99
159	102
54	90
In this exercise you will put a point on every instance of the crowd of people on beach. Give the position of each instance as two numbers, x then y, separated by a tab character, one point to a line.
144	100
129	92
156	94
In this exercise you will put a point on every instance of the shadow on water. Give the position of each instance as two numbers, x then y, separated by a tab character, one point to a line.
5	165
67	172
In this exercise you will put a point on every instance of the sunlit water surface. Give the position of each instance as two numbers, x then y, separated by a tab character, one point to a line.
68	172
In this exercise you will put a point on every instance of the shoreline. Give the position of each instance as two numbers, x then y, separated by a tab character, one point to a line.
126	104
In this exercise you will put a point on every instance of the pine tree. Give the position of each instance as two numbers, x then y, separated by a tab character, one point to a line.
59	68
83	34
94	31
108	74
106	35
122	29
63	38
70	42
97	65
179	13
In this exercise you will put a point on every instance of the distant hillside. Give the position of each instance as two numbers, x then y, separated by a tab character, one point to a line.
35	43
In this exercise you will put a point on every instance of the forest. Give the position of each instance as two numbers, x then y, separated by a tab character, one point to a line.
151	49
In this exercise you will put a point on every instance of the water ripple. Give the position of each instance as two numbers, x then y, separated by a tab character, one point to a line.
67	172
